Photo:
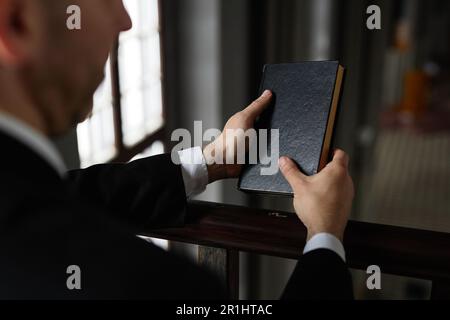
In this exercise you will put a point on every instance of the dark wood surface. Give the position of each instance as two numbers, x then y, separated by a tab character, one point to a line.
225	264
401	251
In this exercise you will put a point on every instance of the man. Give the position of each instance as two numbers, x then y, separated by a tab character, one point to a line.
50	220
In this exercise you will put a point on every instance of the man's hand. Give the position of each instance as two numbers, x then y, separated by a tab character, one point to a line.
323	201
227	145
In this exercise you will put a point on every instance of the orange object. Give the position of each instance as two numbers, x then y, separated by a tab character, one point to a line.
416	92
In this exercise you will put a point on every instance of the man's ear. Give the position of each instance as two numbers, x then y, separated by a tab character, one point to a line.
16	31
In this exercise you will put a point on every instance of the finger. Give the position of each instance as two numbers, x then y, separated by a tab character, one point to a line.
291	172
341	157
258	106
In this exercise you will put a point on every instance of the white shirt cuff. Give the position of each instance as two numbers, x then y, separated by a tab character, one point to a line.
325	241
194	170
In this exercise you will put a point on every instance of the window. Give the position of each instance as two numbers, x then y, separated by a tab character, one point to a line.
127	119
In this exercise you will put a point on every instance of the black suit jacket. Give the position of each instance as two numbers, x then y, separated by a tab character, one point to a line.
90	219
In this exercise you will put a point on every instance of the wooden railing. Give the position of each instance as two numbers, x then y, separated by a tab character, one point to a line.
224	230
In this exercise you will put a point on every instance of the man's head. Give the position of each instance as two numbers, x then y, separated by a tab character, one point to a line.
48	71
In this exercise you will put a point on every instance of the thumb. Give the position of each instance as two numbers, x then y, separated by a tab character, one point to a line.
291	172
341	158
258	106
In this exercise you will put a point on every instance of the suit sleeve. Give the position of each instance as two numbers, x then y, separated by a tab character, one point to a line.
147	193
320	274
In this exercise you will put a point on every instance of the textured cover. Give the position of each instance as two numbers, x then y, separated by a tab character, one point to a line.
303	96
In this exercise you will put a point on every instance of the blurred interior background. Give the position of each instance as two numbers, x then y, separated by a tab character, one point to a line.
187	60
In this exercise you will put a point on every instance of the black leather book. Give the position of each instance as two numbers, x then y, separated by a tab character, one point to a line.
304	110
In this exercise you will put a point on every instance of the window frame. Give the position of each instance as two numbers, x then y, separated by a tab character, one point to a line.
126	153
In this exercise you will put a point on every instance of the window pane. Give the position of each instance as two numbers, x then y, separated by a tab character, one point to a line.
140	72
96	135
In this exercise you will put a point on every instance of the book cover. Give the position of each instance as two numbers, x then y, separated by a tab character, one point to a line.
304	110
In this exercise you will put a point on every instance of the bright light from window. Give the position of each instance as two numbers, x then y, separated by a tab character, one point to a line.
96	135
156	148
140	88
140	72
